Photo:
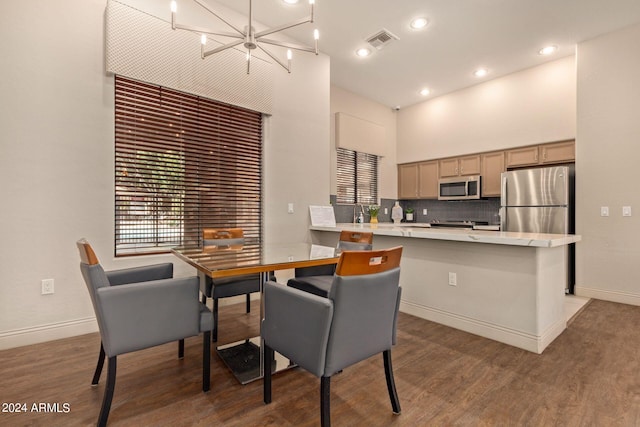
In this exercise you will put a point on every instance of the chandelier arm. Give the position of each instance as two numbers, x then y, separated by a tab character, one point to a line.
288	45
219	17
274	58
221	48
201	30
283	27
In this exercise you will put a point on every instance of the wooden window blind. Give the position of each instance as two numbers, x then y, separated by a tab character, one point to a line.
357	177
182	162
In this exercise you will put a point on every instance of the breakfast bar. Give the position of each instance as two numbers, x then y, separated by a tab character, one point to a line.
506	286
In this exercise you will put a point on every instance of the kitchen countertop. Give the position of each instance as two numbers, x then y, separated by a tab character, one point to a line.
423	231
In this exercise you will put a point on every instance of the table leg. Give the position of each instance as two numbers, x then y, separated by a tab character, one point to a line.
245	358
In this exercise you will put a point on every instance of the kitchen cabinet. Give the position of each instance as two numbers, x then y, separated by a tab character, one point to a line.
558	152
428	180
418	180
460	166
408	181
492	167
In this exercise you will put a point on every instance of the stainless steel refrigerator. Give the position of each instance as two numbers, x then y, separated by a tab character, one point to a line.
540	200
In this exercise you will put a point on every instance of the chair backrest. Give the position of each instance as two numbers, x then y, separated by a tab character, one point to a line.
355	241
366	296
222	238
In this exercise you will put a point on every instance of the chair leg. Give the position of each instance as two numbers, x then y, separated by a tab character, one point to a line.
181	349
108	392
248	303
214	334
391	385
206	361
268	360
98	371
325	401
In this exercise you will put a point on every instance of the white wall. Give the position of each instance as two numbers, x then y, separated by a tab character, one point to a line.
528	107
56	162
348	102
608	133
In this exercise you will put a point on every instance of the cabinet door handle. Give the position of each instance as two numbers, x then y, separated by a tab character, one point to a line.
544	154
536	157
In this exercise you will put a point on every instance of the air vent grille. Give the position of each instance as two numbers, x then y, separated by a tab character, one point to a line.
381	38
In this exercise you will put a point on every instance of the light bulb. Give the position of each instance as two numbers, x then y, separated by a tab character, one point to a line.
174	6
289	54
480	72
311	1
316	34
548	50
419	23
425	92
203	39
362	52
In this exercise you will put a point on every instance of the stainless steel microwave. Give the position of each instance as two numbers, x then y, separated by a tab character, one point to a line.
459	188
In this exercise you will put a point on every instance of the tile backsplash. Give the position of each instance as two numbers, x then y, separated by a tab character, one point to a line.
464	210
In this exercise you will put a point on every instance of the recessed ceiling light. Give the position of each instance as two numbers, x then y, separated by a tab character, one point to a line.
419	23
290	1
481	72
425	92
362	52
548	50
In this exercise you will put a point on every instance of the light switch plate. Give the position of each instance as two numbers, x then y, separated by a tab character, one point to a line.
604	211
626	211
290	208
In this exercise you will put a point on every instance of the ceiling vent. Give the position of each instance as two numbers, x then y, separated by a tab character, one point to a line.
381	38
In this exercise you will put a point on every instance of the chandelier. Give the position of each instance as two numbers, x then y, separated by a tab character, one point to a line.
248	37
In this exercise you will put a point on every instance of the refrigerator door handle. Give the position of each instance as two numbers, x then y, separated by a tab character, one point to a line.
503	190
503	218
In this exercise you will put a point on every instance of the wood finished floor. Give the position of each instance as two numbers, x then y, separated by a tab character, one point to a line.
589	376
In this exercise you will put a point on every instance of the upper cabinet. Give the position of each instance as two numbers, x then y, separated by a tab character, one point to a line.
408	181
460	166
492	168
418	180
557	152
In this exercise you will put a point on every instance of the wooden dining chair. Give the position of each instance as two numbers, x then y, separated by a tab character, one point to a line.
326	335
317	280
226	239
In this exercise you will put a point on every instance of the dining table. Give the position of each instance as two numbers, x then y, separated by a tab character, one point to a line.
245	358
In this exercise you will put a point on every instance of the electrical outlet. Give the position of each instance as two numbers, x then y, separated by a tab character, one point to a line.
424	211
386	211
47	286
290	208
453	279
604	211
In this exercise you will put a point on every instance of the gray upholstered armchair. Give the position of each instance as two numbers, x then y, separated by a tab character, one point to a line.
140	308
246	284
326	335
318	279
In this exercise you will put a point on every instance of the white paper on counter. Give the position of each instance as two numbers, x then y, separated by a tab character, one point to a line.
322	216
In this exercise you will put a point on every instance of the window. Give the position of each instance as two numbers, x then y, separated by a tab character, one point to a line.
182	162
357	177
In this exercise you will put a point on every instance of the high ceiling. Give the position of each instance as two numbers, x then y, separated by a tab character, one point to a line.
503	36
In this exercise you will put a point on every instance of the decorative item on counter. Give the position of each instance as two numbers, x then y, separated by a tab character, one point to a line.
409	214
396	213
373	211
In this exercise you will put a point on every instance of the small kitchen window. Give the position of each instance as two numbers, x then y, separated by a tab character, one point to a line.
357	177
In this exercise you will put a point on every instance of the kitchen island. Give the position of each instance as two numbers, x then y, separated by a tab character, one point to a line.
506	286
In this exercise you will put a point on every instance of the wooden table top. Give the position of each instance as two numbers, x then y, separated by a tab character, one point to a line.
252	258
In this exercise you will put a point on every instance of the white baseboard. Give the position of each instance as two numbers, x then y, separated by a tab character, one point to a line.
50	332
607	295
499	333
